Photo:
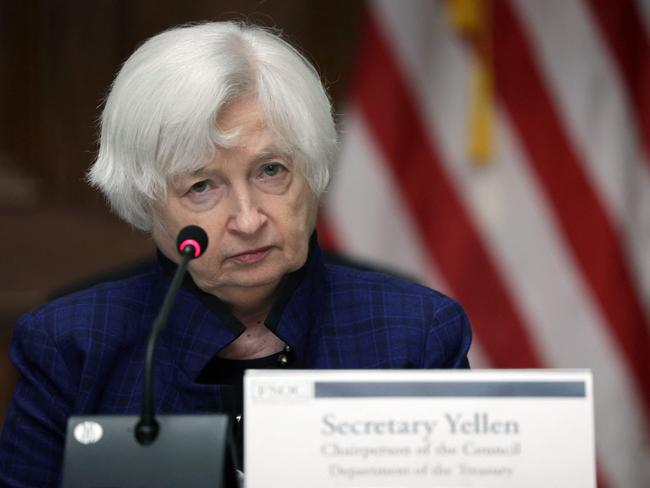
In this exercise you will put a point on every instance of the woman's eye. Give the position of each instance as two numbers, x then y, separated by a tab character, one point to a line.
203	194
199	187
272	169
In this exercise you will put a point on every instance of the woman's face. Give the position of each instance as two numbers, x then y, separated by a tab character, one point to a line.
255	206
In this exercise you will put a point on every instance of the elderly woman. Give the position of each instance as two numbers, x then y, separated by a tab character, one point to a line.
227	127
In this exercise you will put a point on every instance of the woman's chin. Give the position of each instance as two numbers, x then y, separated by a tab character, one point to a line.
245	278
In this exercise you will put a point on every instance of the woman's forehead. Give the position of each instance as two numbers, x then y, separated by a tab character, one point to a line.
247	124
243	113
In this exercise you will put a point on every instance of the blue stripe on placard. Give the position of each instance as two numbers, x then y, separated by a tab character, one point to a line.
349	389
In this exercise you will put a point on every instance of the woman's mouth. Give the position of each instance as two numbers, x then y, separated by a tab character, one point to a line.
251	256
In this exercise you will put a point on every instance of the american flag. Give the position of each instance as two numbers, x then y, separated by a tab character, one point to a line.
499	151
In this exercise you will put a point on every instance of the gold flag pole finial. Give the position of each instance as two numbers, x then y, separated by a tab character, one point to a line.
472	20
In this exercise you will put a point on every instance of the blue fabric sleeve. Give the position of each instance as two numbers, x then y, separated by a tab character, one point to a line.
33	436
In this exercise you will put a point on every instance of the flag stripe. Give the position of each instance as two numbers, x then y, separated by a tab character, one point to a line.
399	132
386	226
621	25
327	236
583	220
591	100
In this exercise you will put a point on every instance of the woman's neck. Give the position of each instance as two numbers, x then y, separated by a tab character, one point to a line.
257	341
251	307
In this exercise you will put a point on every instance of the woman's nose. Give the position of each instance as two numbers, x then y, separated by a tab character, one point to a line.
247	217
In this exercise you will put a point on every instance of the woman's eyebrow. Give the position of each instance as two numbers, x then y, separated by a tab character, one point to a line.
202	172
272	152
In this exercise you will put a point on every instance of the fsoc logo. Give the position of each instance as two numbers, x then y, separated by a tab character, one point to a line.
267	391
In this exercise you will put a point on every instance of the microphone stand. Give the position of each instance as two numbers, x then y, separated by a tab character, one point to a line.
147	427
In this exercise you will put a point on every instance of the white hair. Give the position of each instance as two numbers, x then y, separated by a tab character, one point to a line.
160	116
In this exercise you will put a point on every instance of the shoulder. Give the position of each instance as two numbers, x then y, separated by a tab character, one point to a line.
349	284
418	326
102	312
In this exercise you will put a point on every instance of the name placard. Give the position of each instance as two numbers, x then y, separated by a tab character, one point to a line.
479	428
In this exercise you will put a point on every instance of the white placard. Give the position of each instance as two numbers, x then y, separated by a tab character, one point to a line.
480	428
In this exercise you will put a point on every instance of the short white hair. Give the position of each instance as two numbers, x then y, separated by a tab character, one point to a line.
159	120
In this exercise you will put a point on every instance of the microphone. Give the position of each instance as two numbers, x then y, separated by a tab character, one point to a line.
194	450
192	241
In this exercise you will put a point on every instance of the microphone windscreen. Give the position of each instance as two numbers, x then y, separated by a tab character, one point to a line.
194	236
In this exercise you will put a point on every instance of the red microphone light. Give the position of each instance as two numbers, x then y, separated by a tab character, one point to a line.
192	236
193	243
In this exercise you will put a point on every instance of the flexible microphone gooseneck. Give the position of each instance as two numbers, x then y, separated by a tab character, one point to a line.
192	241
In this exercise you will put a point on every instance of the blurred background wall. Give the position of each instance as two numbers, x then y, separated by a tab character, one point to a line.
57	60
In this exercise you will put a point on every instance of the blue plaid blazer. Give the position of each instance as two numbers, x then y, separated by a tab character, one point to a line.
83	354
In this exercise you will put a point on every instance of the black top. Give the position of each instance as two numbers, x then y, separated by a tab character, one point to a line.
229	373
